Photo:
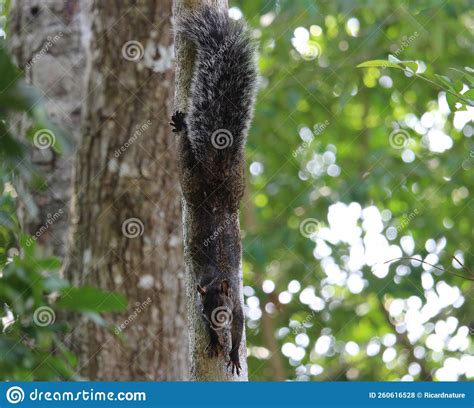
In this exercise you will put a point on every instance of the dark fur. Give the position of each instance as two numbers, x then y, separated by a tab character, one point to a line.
222	98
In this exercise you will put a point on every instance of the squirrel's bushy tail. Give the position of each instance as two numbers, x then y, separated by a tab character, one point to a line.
224	81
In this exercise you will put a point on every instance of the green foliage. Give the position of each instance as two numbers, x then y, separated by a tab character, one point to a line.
33	297
90	299
31	345
453	86
373	161
4	7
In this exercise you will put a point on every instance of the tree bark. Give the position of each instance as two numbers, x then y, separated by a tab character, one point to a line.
202	368
46	44
126	220
268	333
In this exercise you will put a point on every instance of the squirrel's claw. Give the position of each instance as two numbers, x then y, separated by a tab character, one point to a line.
235	366
177	122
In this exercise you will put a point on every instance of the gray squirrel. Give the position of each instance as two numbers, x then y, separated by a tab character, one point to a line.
211	140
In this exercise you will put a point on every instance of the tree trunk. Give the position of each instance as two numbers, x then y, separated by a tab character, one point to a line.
203	368
46	44
126	220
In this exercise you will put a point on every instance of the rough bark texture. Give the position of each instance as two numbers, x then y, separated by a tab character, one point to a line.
268	332
126	220
203	368
46	44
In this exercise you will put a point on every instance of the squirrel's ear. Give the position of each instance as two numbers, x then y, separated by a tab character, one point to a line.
201	290
225	287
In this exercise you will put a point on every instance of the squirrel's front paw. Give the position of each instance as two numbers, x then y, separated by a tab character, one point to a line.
212	350
177	122
235	362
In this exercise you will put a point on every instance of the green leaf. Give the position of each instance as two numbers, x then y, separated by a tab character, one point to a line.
54	282
96	318
47	135
48	264
393	59
411	65
458	85
378	63
445	80
20	96
7	220
469	95
90	299
9	73
9	147
452	100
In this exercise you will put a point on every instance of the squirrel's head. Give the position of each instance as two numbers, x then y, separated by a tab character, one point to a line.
217	303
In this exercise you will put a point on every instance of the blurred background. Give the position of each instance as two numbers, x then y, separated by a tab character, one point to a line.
348	168
352	167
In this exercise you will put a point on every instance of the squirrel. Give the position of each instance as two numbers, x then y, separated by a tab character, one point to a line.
211	140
